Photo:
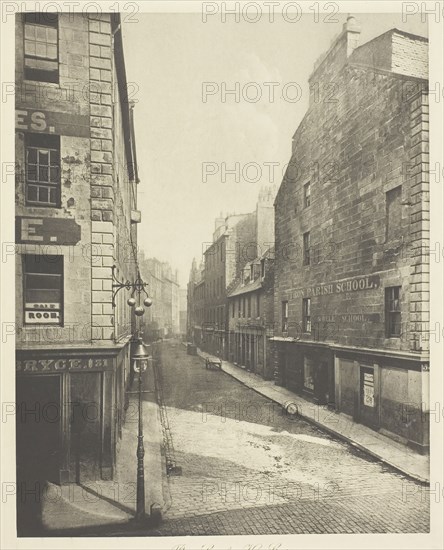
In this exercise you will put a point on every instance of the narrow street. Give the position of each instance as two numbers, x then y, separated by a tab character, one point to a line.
249	469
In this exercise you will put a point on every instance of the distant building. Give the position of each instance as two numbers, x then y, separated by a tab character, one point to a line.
250	316
196	304
182	312
237	240
162	319
351	218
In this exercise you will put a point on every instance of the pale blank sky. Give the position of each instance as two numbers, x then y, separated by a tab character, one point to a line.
169	57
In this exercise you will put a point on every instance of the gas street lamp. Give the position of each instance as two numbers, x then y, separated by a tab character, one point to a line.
140	360
140	364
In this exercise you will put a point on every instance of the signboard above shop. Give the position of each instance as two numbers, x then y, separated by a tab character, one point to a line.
52	122
356	284
47	231
63	364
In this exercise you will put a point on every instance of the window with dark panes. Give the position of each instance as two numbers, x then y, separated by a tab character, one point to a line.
307	194
43	289
249	306
284	316
258	305
306	315
393	202
41	47
43	170
306	243
393	311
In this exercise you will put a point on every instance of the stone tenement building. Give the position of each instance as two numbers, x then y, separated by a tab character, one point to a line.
76	215
250	316
237	239
162	319
182	312
196	304
352	231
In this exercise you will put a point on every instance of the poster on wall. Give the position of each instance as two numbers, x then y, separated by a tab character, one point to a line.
369	390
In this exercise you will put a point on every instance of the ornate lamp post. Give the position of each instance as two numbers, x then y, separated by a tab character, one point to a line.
140	359
140	364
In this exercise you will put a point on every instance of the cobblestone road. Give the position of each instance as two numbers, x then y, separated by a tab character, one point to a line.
248	469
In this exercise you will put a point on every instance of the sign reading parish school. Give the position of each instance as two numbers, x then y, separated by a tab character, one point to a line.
367	282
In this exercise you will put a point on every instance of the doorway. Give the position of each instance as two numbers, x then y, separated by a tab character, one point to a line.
367	397
38	427
38	446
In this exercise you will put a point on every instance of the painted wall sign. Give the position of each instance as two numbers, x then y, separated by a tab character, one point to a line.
52	122
348	318
63	365
47	230
367	282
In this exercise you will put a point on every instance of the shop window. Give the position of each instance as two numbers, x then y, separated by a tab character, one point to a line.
41	47
308	374
285	316
43	170
306	243
43	289
306	314
307	194
393	202
393	311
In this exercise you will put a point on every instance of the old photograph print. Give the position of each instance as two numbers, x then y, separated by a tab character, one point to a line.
222	262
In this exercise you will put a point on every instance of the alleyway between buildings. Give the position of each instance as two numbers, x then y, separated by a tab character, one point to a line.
247	468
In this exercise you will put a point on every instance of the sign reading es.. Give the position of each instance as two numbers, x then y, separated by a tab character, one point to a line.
31	120
52	122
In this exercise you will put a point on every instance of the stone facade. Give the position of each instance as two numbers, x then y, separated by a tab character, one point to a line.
351	218
251	316
76	180
196	304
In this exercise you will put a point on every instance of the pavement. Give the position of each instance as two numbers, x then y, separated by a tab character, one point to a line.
379	446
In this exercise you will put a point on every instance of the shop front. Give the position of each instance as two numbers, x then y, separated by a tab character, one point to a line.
306	369
69	406
387	392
